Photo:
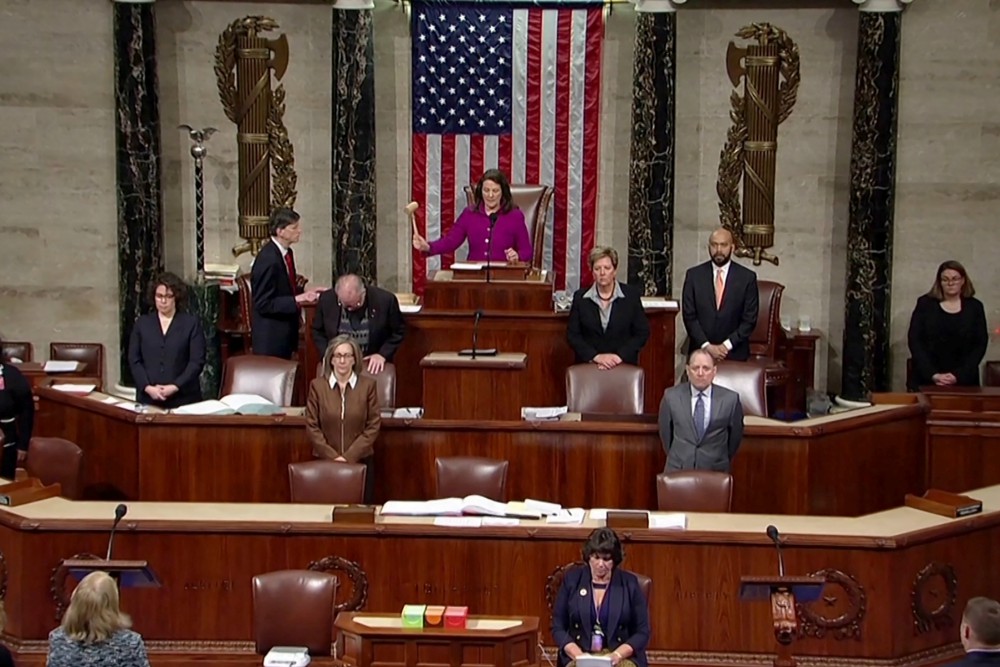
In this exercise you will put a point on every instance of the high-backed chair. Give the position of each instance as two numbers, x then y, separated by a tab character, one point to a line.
12	349
621	390
269	377
91	354
554	582
991	374
327	482
767	339
534	202
460	476
694	491
746	378
55	460
246	307
294	608
386	384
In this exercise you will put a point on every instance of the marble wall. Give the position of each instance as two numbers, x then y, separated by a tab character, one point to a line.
57	163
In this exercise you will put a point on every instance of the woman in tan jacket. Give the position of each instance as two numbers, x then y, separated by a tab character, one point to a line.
342	413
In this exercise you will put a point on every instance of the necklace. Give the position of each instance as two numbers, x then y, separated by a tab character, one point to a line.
598	587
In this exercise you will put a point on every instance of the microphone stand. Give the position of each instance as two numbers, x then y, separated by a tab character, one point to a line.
489	247
475	325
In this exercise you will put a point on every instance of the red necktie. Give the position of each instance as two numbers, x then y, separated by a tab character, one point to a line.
290	263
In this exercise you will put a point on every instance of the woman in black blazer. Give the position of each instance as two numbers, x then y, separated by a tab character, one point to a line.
607	324
167	350
948	333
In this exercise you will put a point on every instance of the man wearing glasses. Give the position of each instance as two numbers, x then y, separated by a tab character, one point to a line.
368	314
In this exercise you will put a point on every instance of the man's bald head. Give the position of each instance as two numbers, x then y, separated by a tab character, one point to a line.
721	246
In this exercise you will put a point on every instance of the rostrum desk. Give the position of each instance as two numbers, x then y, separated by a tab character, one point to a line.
846	465
897	580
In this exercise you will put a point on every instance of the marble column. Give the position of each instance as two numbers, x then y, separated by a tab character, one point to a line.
137	158
651	169
872	199
353	140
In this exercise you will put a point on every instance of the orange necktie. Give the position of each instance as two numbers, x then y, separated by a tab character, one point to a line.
720	287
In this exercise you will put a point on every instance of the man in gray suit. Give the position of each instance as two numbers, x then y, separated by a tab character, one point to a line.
701	424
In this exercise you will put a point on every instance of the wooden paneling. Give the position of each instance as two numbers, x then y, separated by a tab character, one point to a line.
206	570
963	437
849	467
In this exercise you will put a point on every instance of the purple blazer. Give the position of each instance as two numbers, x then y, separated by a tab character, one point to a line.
474	225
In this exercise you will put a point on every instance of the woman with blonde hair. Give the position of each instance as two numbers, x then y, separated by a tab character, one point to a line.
94	631
342	413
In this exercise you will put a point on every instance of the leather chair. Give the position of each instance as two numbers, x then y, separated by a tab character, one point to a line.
534	202
385	384
269	377
246	307
55	460
746	378
991	374
694	491
460	476
11	349
91	354
294	608
327	482
554	582
768	338
621	390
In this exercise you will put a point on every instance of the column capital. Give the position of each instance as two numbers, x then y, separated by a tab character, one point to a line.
353	4
658	6
882	5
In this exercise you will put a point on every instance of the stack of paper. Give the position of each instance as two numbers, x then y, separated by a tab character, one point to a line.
55	366
82	389
242	404
475	505
540	414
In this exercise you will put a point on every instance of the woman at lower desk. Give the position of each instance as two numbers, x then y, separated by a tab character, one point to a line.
167	349
342	413
17	418
94	631
600	608
948	333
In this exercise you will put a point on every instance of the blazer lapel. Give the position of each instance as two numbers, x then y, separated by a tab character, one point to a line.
687	413
617	592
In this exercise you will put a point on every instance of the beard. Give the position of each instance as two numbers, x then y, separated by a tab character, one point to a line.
720	259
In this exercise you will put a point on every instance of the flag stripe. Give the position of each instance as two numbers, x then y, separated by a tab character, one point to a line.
547	130
418	186
533	85
591	140
447	192
562	112
574	181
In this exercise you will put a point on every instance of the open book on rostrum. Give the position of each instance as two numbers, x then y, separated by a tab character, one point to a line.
477	505
233	404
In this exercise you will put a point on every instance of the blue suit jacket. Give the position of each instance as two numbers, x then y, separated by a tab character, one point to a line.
977	659
274	319
174	358
628	619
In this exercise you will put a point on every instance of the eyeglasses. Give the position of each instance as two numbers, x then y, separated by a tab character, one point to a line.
607	558
952	281
164	297
349	355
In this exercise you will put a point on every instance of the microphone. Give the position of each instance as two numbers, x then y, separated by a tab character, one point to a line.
476	352
475	324
120	512
772	532
489	245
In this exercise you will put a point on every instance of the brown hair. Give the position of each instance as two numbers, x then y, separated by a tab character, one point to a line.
93	614
604	542
500	178
342	339
600	252
982	615
968	290
173	283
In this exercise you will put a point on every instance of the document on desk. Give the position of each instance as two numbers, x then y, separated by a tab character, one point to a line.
56	366
83	389
459	521
568	517
667	521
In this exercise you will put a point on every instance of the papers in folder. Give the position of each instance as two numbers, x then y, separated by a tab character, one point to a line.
75	388
54	366
540	414
475	505
242	404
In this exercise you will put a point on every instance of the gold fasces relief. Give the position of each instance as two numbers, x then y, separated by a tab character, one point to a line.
769	70
243	66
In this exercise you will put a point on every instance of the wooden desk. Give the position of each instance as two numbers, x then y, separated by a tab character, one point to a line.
898	579
485	388
388	645
963	437
36	374
848	465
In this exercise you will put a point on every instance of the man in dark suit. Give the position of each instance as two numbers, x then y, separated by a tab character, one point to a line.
719	302
980	633
277	297
607	324
701	424
368	314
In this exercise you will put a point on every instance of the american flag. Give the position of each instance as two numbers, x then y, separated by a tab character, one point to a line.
498	86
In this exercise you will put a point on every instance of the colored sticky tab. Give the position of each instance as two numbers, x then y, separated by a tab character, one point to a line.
434	616
456	617
413	615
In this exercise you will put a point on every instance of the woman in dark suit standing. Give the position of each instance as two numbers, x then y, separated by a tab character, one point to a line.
600	608
17	418
167	350
948	333
342	413
607	325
